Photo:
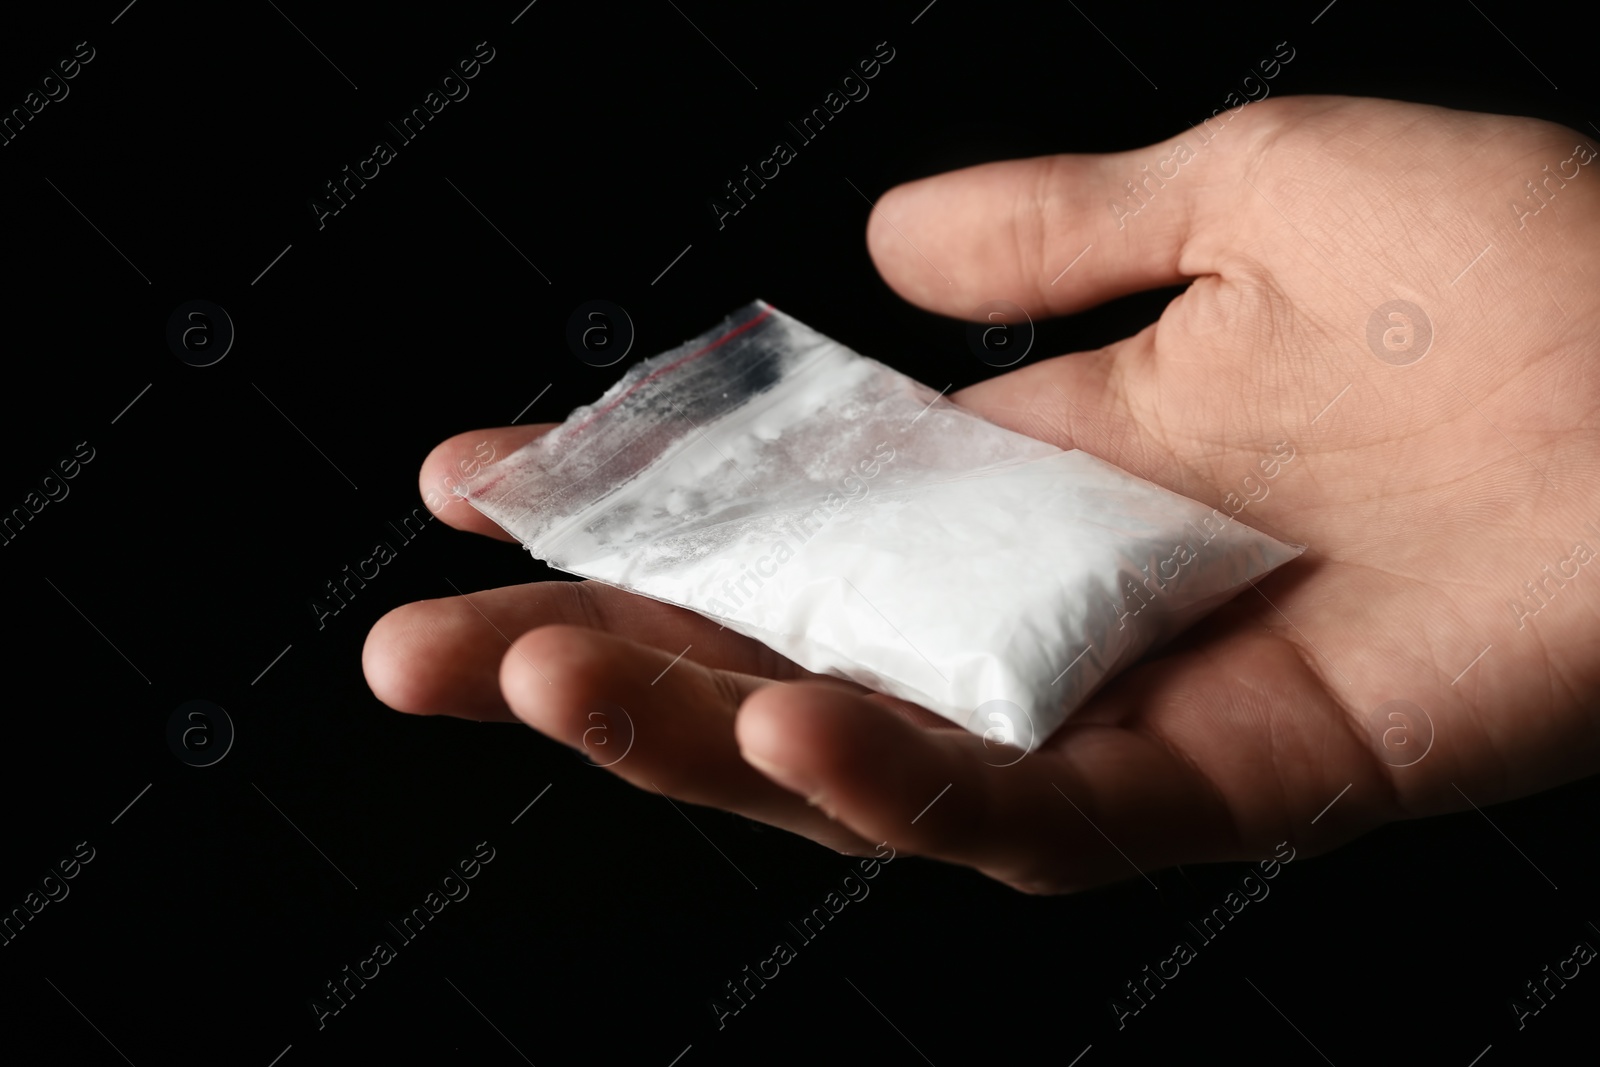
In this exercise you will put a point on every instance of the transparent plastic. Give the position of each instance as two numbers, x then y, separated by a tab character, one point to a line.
856	522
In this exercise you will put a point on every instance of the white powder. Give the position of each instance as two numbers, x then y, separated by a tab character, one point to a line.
841	513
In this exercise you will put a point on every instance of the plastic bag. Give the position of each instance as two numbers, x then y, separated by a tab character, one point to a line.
846	515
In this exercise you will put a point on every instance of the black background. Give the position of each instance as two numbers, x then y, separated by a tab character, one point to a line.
188	553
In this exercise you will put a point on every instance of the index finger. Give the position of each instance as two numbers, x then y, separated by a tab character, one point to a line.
461	457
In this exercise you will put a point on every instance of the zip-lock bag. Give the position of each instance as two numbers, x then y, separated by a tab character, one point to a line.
858	523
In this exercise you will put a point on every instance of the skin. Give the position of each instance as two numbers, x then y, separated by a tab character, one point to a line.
1427	494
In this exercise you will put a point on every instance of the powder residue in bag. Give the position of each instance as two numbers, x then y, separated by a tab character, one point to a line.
856	522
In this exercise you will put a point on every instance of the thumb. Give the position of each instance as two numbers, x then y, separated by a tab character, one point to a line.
1060	233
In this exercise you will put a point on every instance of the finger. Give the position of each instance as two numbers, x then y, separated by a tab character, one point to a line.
457	460
1176	764
662	724
1075	401
949	797
442	657
1087	400
1057	234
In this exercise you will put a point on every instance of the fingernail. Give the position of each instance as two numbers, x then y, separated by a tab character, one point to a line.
787	777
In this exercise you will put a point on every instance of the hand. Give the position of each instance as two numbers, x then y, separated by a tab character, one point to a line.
1428	492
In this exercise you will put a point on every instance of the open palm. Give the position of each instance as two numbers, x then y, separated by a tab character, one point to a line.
1365	296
